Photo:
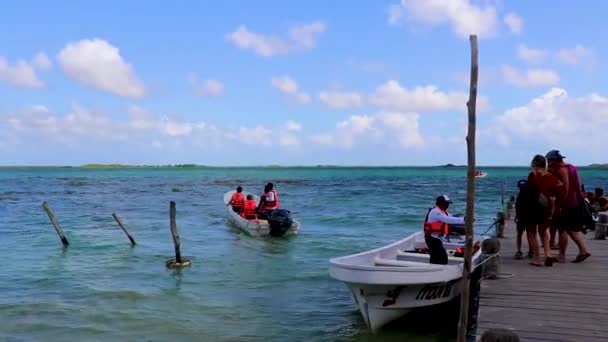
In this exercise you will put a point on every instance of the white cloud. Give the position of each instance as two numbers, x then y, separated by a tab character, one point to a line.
290	88
530	55
530	78
341	100
293	126
555	120
41	61
392	96
258	135
81	126
305	36
300	37
405	126
210	87
514	22
382	126
22	73
395	14
576	55
462	16
98	64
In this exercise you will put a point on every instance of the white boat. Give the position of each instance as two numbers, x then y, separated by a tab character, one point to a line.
253	227
480	174
388	282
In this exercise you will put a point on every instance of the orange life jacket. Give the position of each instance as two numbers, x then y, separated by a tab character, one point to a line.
249	208
271	205
436	227
238	200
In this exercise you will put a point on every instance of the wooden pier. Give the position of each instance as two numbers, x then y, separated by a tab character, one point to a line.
566	302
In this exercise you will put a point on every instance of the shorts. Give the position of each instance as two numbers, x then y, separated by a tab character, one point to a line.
568	220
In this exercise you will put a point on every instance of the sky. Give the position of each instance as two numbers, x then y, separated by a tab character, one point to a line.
300	82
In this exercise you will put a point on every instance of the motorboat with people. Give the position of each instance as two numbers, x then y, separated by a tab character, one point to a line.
421	270
277	222
480	174
388	282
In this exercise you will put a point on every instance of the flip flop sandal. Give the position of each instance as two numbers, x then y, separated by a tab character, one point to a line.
535	264
549	262
581	257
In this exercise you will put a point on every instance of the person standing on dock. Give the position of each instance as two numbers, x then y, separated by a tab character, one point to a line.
543	187
567	217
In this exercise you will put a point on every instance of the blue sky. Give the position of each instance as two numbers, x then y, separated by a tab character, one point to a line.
299	82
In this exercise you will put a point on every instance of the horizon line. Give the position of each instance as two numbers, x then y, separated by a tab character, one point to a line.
190	165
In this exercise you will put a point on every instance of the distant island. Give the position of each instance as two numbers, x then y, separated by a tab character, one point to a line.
600	166
124	166
452	165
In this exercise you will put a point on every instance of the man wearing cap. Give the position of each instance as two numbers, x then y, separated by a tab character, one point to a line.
438	220
436	224
567	220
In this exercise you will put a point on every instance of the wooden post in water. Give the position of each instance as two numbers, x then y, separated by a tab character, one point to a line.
124	228
178	262
55	224
470	209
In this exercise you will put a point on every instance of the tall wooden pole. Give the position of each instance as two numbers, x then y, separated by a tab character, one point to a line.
470	210
124	228
56	225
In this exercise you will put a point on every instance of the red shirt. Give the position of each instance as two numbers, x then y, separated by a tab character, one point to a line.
546	184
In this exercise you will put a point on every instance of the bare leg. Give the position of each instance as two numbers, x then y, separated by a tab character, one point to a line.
553	231
580	242
533	242
563	244
543	231
518	241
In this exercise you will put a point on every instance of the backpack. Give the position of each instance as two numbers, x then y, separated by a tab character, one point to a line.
585	212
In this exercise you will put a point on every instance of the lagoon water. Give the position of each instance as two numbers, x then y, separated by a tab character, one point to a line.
239	288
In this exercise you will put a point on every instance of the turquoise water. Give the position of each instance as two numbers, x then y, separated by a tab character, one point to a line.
239	288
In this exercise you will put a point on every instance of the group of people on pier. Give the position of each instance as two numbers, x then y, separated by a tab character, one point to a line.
553	205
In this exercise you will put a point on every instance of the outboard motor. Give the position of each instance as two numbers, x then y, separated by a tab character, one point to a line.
280	221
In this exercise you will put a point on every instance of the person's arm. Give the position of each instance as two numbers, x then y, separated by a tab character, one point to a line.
435	216
563	173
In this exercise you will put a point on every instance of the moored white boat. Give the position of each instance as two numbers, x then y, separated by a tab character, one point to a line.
388	282
253	227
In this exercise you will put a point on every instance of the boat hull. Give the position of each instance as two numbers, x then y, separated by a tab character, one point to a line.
382	304
388	282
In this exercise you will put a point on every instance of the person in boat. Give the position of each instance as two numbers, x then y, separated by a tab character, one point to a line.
249	211
437	224
238	200
438	220
269	201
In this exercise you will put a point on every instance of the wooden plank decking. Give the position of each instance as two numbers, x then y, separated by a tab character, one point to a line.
566	302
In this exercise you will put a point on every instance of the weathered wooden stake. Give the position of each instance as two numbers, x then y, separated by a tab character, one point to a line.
500	224
55	224
124	228
470	208
178	261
